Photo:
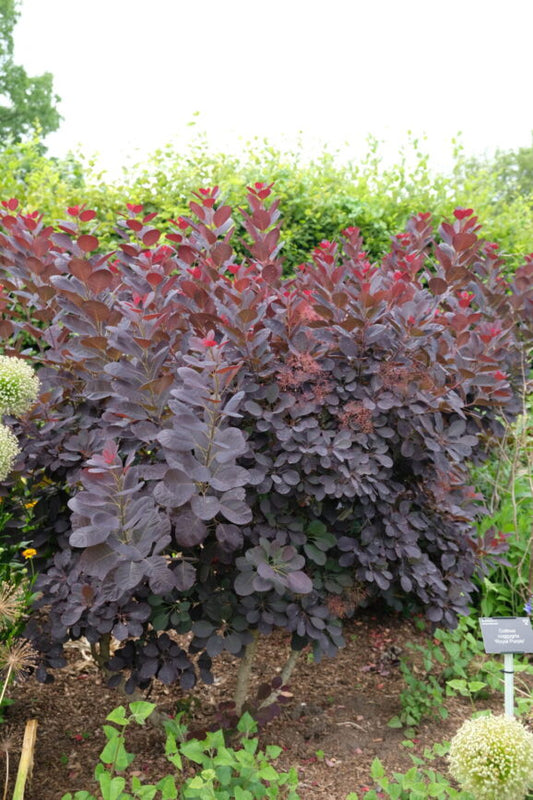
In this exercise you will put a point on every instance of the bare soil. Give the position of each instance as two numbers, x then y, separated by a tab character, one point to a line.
331	730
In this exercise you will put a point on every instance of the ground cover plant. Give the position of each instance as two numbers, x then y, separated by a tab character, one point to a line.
220	771
221	451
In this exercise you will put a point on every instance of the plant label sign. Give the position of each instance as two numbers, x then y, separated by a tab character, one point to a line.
507	634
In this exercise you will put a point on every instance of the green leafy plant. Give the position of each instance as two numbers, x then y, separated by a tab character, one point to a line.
423	695
14	519
492	757
465	688
419	782
221	772
506	482
450	662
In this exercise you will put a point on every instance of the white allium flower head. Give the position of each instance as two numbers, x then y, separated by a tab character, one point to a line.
492	757
19	386
9	450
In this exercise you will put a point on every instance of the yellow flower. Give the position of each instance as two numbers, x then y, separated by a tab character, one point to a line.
30	504
29	552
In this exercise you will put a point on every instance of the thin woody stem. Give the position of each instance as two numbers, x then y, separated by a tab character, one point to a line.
285	675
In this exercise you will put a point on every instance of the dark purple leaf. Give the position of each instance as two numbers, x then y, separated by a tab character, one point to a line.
179	487
98	532
167	673
228	478
299	583
205	507
189	530
229	443
160	577
234	507
129	574
99	560
185	575
229	536
187	680
244	583
203	629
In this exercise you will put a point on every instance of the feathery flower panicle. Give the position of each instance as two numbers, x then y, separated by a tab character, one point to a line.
11	602
492	757
9	449
17	657
19	386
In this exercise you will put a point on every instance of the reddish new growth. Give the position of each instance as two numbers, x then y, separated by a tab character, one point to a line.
489	332
261	190
325	252
208	196
11	204
463	213
465	298
354	414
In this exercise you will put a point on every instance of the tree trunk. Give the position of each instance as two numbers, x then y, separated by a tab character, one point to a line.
243	676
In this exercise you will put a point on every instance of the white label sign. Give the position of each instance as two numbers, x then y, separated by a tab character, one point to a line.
507	634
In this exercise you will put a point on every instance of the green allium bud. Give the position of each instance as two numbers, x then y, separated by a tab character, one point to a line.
9	450
19	386
492	758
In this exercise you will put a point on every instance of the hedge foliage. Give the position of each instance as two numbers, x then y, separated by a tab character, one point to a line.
320	196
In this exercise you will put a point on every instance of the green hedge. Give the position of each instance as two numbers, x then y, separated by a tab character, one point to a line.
319	197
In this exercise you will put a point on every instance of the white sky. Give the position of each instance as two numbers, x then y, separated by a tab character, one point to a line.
132	73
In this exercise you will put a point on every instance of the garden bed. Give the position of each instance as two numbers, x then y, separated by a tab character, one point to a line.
331	730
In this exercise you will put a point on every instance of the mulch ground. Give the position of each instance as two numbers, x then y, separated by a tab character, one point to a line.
333	727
